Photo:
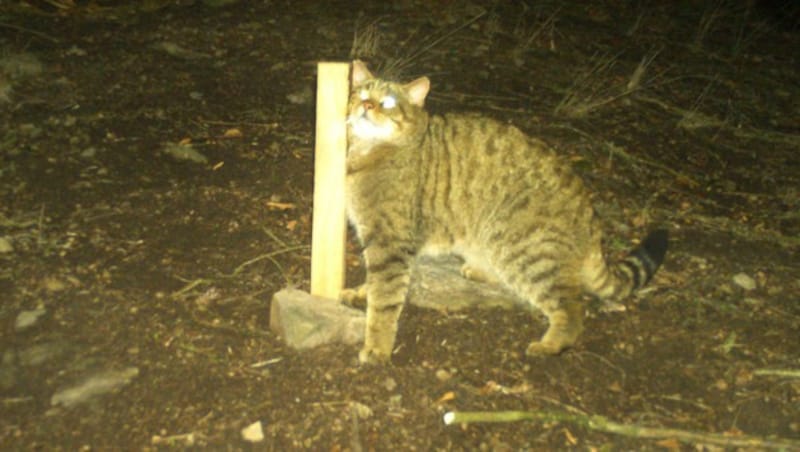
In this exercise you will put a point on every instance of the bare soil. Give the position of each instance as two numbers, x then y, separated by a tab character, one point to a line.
155	191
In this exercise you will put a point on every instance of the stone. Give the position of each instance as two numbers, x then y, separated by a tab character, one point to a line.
437	283
5	245
744	281
253	433
304	321
27	319
94	385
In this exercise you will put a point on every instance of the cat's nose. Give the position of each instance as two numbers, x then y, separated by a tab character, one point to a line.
369	105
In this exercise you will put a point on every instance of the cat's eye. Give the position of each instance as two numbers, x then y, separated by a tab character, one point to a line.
388	102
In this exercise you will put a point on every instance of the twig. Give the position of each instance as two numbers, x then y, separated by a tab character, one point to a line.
191	284
603	424
242	266
274	237
617	150
28	30
188	439
790	373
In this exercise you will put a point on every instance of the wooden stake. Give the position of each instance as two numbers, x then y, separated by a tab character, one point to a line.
330	225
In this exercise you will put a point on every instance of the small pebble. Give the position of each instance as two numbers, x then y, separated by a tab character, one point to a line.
303	96
27	319
253	433
89	152
5	245
443	375
360	410
744	281
754	302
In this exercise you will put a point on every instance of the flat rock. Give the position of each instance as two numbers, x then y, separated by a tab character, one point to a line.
94	385
305	321
437	283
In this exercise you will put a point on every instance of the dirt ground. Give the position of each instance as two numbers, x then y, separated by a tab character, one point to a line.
155	190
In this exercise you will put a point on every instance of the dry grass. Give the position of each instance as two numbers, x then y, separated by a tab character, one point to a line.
15	67
531	36
708	22
595	86
5	89
734	17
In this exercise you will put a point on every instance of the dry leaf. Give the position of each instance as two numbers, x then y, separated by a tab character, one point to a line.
669	444
291	225
493	386
185	141
446	397
490	387
570	438
232	133
276	205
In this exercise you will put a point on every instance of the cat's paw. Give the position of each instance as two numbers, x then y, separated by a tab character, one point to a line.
356	297
544	348
373	356
475	274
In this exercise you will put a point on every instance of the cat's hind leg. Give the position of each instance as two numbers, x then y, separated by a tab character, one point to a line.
565	325
542	275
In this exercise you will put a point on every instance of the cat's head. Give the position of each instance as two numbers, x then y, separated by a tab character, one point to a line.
385	111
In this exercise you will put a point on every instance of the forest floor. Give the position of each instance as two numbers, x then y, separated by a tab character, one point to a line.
155	190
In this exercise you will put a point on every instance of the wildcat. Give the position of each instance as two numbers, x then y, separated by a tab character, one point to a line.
481	189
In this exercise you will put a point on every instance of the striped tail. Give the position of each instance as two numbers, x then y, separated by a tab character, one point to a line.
620	279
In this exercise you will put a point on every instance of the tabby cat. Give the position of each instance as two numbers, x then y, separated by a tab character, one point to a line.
481	189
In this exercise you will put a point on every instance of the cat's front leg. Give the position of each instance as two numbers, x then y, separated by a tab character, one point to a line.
388	276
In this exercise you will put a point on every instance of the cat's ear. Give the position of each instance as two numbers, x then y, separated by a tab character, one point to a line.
360	73
418	90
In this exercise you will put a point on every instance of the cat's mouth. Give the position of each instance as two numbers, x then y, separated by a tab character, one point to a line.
363	127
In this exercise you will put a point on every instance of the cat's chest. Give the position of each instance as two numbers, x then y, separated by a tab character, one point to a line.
376	199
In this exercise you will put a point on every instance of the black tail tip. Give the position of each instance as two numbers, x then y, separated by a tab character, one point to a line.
655	245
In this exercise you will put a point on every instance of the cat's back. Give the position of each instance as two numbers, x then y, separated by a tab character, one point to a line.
473	131
476	148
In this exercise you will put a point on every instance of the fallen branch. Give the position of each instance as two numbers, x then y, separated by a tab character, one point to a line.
603	424
788	373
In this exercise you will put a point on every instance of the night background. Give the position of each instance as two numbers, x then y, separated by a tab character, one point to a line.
156	168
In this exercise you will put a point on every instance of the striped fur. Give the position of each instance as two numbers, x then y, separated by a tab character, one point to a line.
484	190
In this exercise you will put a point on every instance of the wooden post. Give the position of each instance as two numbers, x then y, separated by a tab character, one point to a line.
330	224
